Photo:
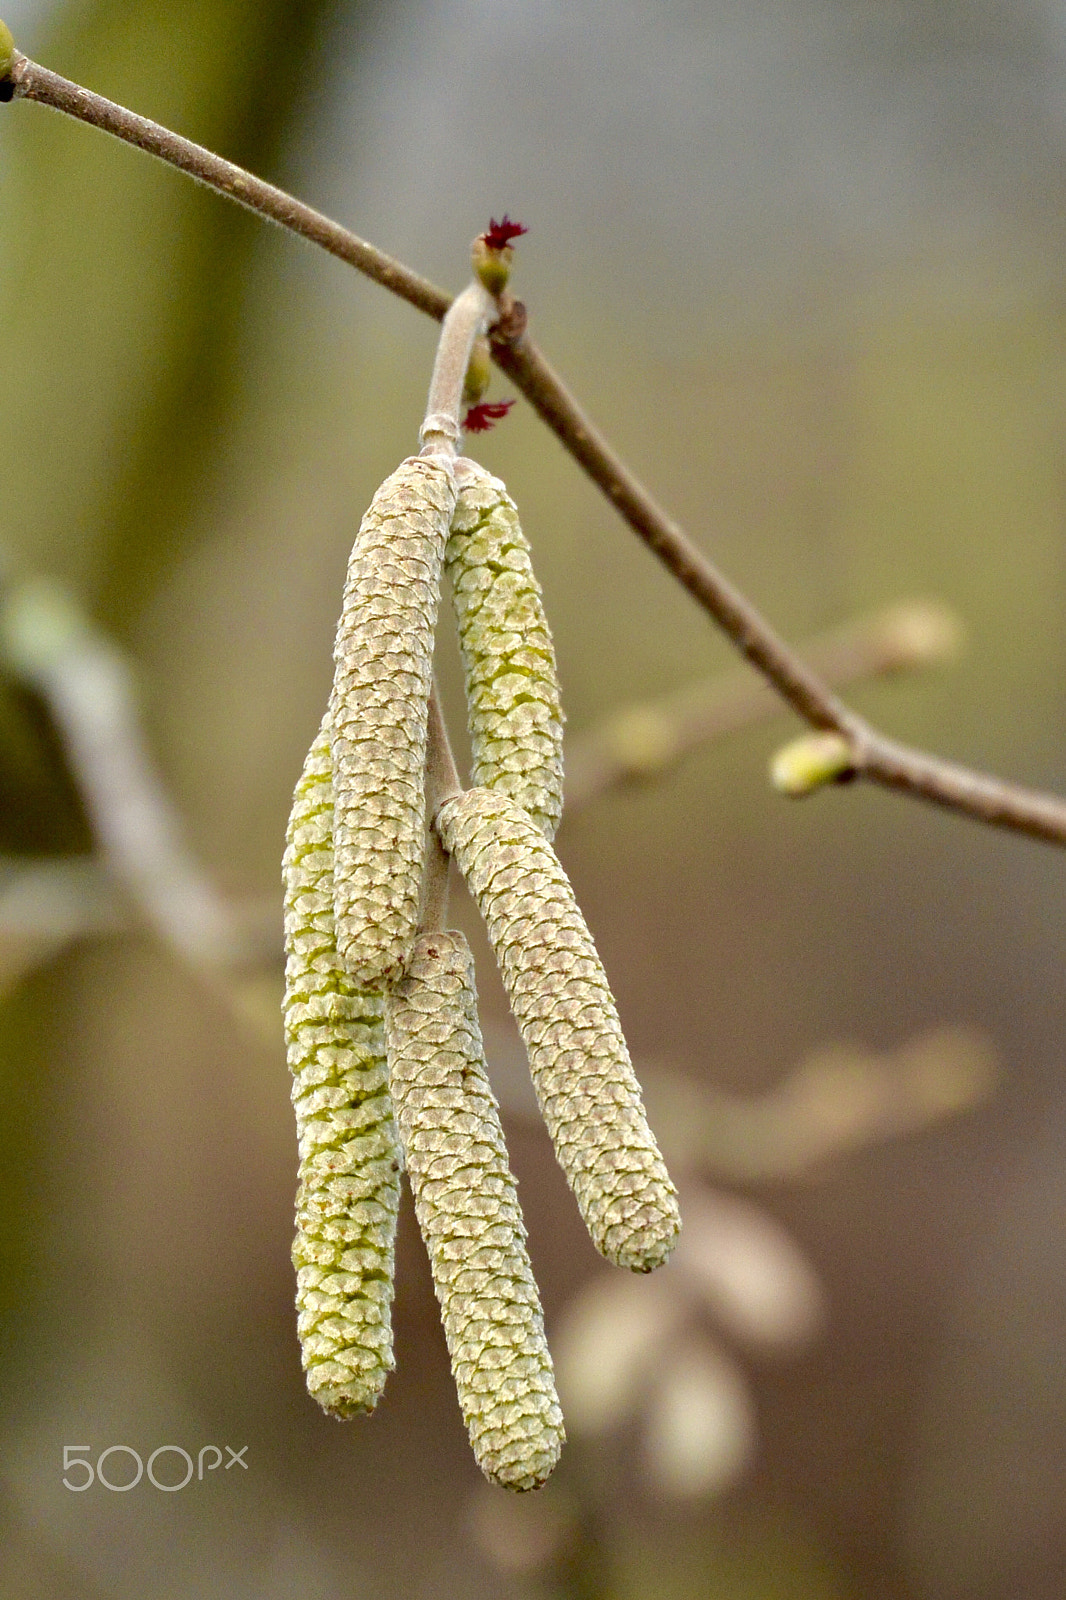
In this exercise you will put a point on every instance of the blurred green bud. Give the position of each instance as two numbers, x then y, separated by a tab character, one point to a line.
492	266
810	762
919	633
492	253
7	50
478	373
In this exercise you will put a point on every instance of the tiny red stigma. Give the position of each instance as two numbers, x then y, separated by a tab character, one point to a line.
480	418
498	235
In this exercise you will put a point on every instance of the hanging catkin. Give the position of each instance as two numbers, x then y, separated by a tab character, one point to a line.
349	1177
512	688
588	1092
467	1208
381	688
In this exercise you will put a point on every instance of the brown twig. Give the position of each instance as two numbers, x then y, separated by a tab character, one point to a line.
642	741
28	81
883	760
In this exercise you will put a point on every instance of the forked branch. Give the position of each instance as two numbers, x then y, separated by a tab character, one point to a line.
883	760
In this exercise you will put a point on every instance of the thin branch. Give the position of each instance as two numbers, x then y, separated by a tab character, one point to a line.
465	322
896	766
644	740
442	783
88	686
28	81
442	775
752	635
883	760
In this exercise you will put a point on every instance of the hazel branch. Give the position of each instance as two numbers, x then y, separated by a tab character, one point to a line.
26	80
875	757
644	740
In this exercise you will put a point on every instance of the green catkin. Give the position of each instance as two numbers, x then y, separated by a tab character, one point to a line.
588	1093
378	709
349	1181
512	688
467	1207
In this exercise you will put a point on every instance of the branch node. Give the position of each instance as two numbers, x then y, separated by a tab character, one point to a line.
510	326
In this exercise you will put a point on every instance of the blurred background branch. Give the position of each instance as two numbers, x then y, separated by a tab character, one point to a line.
644	741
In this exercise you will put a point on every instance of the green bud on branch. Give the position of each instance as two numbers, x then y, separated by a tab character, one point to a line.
810	762
478	372
7	51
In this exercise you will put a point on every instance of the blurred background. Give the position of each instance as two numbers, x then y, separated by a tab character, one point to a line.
804	263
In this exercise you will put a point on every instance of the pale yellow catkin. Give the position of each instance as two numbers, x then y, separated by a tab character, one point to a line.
588	1093
512	685
378	708
350	1159
467	1207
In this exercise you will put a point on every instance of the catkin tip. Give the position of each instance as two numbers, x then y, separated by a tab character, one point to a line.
586	1087
466	1202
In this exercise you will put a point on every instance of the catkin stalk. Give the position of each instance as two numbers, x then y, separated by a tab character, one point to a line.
512	686
467	1207
588	1093
349	1180
381	687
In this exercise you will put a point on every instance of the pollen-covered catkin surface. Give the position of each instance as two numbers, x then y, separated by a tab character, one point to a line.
378	709
588	1093
468	1211
512	686
349	1180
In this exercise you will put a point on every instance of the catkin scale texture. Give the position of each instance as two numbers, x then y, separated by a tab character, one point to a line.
512	687
349	1179
588	1093
378	710
467	1207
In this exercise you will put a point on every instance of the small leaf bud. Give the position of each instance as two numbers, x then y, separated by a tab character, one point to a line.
40	625
810	762
920	633
478	372
492	253
492	267
7	51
